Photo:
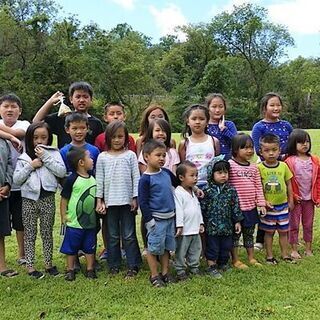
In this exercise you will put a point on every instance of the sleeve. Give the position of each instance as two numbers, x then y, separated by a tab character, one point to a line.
317	177
132	144
67	187
51	120
261	202
135	174
54	163
230	130
204	205
175	156
256	134
22	171
63	153
173	178
94	151
143	197
287	174
178	199
237	215
100	176
141	159
99	142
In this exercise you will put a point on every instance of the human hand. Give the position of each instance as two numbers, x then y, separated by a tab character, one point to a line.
269	205
16	143
56	98
64	218
134	204
237	228
201	230
298	199
221	124
101	207
38	151
179	232
291	205
262	211
36	163
198	192
4	192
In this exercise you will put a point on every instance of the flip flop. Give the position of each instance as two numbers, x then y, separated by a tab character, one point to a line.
9	273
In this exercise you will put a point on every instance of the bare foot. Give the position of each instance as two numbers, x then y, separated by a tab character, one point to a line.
308	253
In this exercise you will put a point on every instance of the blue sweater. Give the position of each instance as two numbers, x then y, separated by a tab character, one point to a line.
155	195
280	128
224	136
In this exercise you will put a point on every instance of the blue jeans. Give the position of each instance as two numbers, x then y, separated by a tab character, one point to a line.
121	222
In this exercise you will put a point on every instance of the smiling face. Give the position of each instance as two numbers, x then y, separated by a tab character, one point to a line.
9	112
246	153
273	109
118	140
158	133
78	131
217	109
81	100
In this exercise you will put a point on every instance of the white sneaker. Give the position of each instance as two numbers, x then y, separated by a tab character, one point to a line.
258	246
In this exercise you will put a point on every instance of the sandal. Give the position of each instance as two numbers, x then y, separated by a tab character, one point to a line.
131	273
240	265
157	282
255	263
272	261
289	260
9	273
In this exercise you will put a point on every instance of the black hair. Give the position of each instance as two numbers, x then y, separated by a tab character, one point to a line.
74	155
221	165
239	141
11	97
75	117
186	130
111	131
297	136
81	85
211	96
113	103
164	125
269	138
266	98
151	145
182	168
29	137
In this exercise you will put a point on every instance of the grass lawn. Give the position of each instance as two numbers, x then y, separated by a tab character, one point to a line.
270	292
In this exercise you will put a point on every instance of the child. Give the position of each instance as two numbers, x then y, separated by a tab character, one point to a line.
80	220
80	96
117	191
222	216
113	111
197	146
271	107
37	172
245	178
218	127
6	172
277	190
153	112
10	110
306	189
158	211
189	221
77	126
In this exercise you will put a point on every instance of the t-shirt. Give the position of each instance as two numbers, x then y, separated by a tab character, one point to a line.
81	192
274	182
303	175
57	127
22	125
100	143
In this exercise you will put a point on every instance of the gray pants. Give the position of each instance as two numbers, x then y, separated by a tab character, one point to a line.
188	253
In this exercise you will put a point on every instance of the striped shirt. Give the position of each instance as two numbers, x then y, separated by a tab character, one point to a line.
117	177
247	181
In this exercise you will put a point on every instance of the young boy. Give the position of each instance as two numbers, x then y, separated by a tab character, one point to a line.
80	96
10	110
189	221
77	209
113	111
275	176
222	216
157	205
77	126
6	172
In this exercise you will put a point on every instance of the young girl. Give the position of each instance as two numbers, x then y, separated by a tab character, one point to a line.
159	129
117	176
245	178
37	171
306	189
218	127
271	107
152	113
197	146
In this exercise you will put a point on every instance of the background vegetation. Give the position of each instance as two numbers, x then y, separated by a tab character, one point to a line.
240	54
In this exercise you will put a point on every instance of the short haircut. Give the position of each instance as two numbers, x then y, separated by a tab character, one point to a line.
75	117
211	96
221	165
111	131
239	141
164	125
269	138
74	155
81	85
151	145
11	97
297	136
266	98
113	103
30	134
183	166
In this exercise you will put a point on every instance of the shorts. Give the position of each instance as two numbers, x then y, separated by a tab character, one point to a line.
15	208
276	219
161	237
5	229
79	239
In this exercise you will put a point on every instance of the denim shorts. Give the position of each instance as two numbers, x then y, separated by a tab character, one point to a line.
161	237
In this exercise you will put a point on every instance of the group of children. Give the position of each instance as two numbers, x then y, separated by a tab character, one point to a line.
197	200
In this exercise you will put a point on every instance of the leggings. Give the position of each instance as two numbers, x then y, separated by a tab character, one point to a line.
247	237
44	209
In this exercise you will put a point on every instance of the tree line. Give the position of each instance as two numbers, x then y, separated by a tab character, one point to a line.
237	53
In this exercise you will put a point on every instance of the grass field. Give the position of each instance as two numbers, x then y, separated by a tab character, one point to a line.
270	292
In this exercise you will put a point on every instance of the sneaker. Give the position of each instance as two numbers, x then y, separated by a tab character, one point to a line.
131	273
113	271
53	271
91	274
182	276
104	255
36	274
21	261
157	281
224	268
240	265
212	270
195	272
168	278
258	246
70	275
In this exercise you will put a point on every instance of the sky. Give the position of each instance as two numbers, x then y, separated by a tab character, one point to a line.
158	18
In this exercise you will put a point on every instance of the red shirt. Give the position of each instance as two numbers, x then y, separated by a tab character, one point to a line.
100	143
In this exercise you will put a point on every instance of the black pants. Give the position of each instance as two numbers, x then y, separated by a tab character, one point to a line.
260	236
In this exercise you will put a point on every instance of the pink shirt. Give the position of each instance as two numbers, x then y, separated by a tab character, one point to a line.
303	174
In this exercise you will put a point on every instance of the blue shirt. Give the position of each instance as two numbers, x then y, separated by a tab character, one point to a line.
223	136
94	152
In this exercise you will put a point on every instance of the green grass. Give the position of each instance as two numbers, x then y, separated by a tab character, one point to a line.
271	292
